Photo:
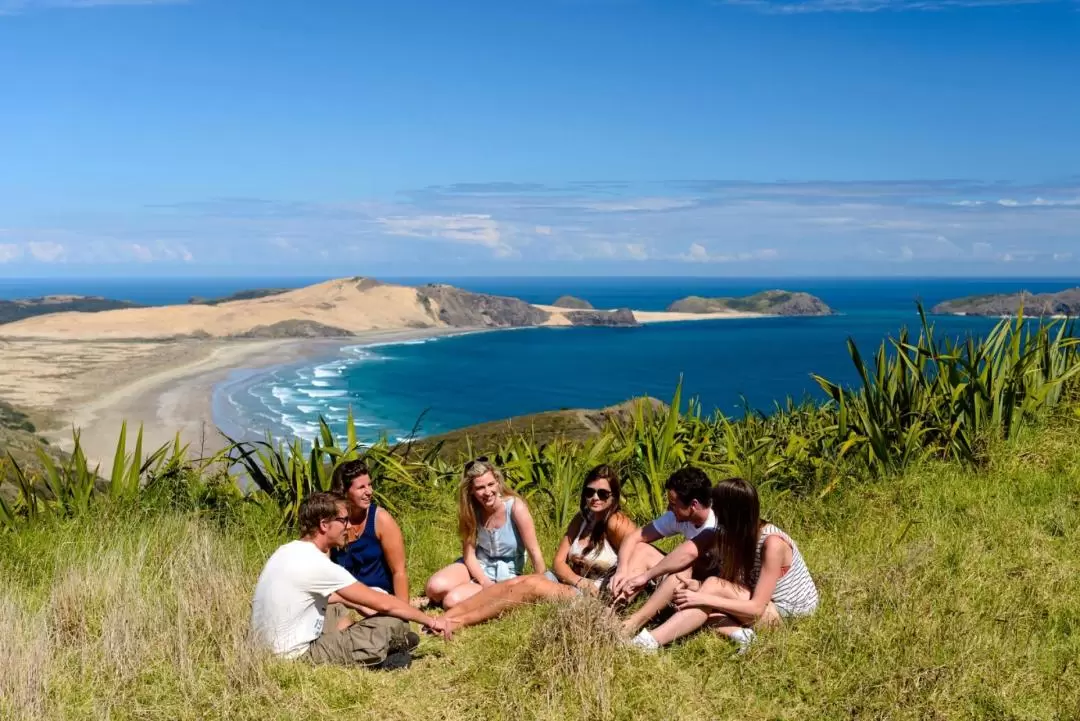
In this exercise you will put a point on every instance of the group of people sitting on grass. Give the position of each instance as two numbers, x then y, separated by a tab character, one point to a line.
340	594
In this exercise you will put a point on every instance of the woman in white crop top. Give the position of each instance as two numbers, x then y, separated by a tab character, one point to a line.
588	552
586	556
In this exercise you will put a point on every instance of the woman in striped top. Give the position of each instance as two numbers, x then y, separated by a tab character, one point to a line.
762	577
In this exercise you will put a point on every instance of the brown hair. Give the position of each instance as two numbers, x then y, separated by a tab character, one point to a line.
468	509
315	509
607	473
346	473
738	522
690	484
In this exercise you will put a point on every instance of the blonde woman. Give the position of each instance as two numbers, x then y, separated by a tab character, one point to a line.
496	531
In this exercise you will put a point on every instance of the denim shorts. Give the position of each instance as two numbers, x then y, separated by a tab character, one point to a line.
497	570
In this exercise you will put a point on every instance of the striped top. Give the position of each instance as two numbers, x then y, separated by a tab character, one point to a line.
795	593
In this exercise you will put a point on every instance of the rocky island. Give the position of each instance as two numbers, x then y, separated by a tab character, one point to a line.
769	302
571	303
1062	303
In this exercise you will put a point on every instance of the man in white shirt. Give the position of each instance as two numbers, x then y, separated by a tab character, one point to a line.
689	513
302	600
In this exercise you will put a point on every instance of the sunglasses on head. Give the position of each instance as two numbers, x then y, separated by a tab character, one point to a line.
602	493
478	459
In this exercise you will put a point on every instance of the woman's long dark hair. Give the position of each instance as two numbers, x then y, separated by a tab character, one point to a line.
600	524
738	522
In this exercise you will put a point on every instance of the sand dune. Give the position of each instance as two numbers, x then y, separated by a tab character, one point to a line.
335	308
351	305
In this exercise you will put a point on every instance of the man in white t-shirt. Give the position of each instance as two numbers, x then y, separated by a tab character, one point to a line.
302	600
689	513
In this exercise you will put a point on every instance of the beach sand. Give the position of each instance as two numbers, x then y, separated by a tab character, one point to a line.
167	386
67	377
652	316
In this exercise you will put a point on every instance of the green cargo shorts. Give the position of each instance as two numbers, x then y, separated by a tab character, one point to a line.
365	643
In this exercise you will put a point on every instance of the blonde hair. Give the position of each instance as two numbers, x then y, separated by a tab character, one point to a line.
469	510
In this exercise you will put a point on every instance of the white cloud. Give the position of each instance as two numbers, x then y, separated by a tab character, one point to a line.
906	253
698	253
466	228
788	7
637	251
47	251
9	252
141	253
543	230
10	7
640	205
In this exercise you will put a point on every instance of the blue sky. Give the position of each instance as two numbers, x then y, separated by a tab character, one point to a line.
694	137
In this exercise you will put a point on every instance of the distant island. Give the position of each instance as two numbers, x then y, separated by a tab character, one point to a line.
769	302
1062	303
13	310
572	303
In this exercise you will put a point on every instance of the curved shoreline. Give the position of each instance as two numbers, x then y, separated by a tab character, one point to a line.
167	386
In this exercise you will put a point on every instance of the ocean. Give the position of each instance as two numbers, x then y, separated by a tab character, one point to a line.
445	383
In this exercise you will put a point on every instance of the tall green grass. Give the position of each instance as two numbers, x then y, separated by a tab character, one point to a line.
948	592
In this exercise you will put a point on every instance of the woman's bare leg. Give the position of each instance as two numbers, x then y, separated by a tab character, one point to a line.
495	600
685	622
655	604
681	623
460	594
446	580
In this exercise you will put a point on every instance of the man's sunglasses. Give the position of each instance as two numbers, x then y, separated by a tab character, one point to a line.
343	519
479	459
602	493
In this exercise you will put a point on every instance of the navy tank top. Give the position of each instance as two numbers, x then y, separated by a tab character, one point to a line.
364	557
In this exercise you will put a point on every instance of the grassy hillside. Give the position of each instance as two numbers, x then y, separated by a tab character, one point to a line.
18	442
947	593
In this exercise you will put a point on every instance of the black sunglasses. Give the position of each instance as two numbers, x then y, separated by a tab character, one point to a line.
602	493
343	519
478	459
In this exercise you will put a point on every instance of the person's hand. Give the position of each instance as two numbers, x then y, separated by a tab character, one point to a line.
685	598
485	582
440	626
633	585
618	580
587	587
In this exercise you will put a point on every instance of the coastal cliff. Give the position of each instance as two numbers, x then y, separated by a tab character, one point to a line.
769	302
1065	302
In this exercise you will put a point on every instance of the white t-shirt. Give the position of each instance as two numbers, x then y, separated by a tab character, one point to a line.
666	526
290	597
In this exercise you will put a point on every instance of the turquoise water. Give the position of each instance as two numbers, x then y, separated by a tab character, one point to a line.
442	384
456	381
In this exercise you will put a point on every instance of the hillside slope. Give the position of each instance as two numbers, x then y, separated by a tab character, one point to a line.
769	302
1065	302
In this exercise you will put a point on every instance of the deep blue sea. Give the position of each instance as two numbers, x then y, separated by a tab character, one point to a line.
451	382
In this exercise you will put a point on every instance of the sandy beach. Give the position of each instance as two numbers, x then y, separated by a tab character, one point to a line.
655	316
158	366
166	386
